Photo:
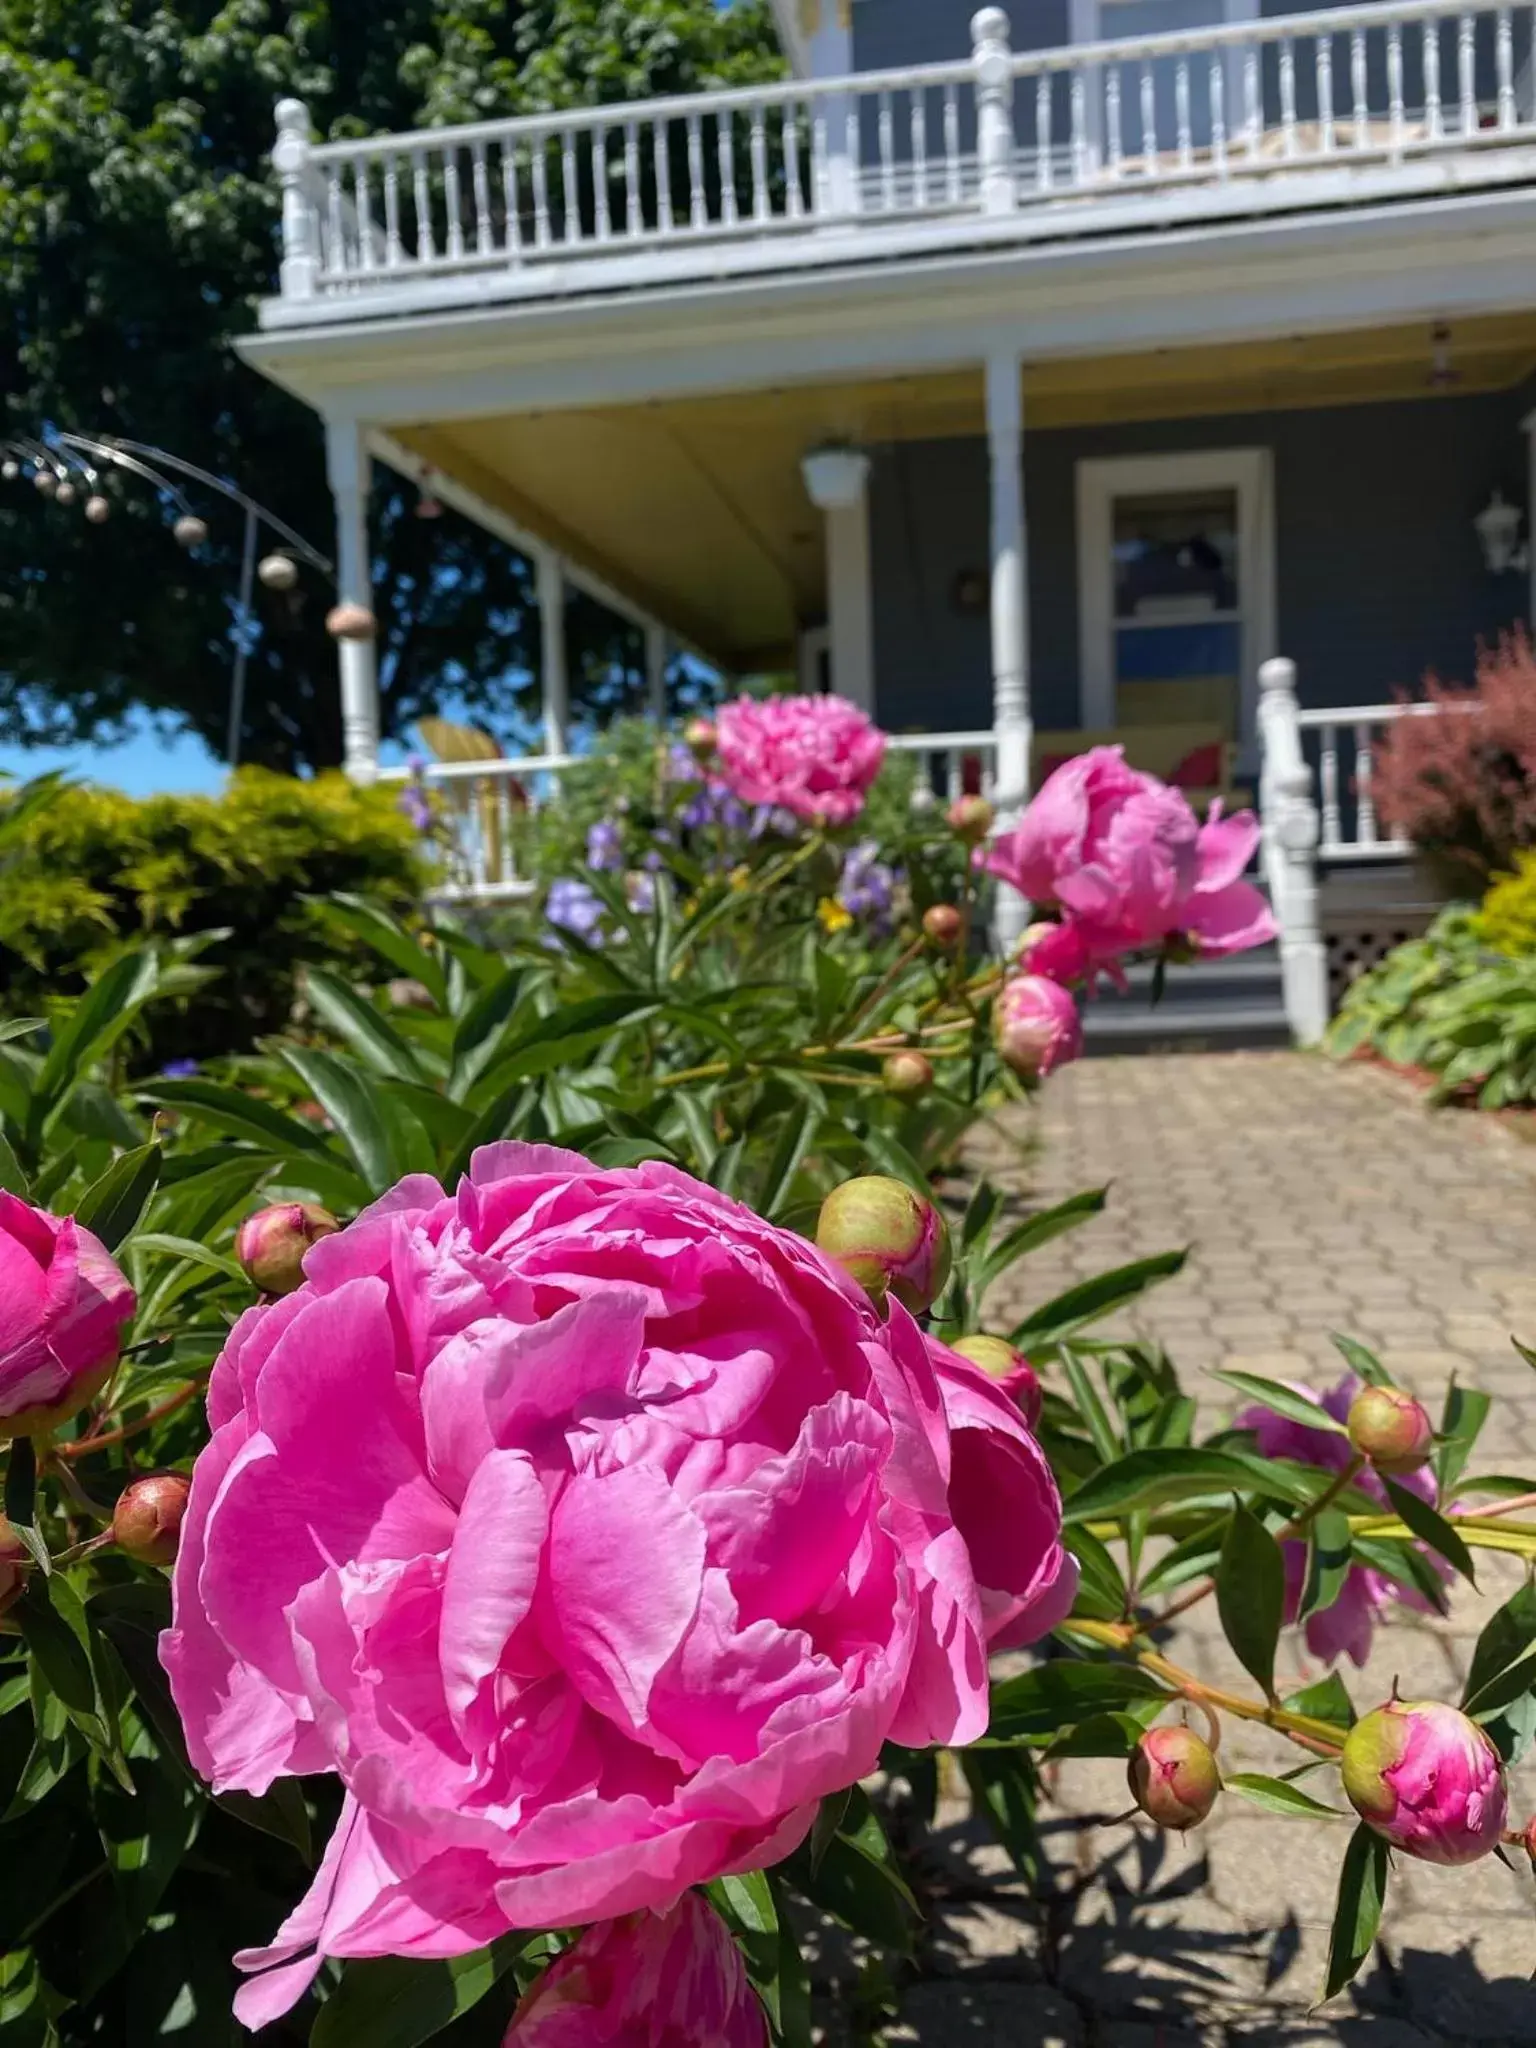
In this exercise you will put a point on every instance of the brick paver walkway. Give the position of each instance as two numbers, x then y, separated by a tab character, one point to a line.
1315	1199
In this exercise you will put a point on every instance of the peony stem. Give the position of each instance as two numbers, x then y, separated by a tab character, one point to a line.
1325	1499
87	1444
1319	1736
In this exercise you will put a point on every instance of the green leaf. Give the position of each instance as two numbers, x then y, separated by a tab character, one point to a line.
1092	1410
239	1114
1004	1789
1161	1478
1513	1683
1328	1562
21	1500
1038	1230
1192	1558
187	1248
21	1027
829	1818
394	2002
1064	1691
866	1894
1250	1595
1431	1527
1328	1700
12	1179
1101	1587
566	1036
1277	1795
980	1213
111	1206
1506	1639
95	1021
1357	1915
1466	1410
795	1140
61	1656
1094	1299
390	941
1361	1361
750	1898
1282	1400
371	1036
348	1101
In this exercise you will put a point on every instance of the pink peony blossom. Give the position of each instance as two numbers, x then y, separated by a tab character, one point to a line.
1426	1777
651	1980
63	1304
592	1530
1036	1025
1345	1628
1131	867
814	756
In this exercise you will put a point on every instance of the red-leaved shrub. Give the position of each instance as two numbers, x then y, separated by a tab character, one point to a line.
1462	786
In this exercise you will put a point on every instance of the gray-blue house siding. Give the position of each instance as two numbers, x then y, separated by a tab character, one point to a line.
1378	568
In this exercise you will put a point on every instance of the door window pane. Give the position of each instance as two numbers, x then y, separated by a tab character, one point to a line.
1178	630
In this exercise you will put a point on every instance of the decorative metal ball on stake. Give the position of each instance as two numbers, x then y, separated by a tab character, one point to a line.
54	466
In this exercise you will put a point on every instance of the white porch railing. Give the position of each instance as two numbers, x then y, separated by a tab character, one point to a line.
483	806
1376	100
1314	821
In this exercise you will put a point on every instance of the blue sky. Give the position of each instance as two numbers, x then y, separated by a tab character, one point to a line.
148	763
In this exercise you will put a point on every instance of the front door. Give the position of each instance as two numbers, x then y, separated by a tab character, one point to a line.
1175	588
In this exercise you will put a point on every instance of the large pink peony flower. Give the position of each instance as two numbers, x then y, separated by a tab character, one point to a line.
1345	1628
63	1304
1130	865
592	1530
815	756
650	1980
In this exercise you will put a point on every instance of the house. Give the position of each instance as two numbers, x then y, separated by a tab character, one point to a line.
1042	372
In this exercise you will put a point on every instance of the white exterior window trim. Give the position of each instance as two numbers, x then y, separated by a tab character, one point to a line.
1087	24
1247	471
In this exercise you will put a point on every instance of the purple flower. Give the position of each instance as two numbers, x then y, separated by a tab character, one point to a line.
416	806
605	845
681	766
654	862
733	814
640	889
179	1070
571	906
698	812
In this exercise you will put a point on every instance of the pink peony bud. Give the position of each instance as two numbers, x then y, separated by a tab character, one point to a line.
699	738
907	1073
1391	1429
63	1304
271	1244
1055	950
1174	1778
886	1238
1013	1372
1036	1026
943	925
147	1519
1427	1779
970	819
13	1559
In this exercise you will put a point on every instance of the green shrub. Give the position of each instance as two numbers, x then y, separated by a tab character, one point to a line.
1506	920
89	872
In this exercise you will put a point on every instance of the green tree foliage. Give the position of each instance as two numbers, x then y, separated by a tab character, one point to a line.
138	227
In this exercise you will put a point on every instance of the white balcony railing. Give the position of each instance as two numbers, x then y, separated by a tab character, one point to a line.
1384	99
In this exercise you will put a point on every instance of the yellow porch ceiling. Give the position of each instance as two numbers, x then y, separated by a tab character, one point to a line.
695	508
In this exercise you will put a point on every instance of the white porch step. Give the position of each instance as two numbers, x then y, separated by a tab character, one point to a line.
1232	1003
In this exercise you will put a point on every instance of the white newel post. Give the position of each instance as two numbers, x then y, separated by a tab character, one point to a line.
1290	835
993	58
348	467
837	481
656	652
556	676
290	159
1010	612
1529	424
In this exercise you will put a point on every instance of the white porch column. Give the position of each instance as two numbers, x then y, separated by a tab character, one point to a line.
1288	815
1010	610
347	464
837	480
1529	424
656	653
556	675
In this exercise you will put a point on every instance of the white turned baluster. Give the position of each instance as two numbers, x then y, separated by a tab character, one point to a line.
1434	118
790	140
885	129
917	144
1330	782
661	169
1357	86
570	188
1253	101
954	774
854	144
336	247
603	220
1466	55
1112	119
543	233
394	248
1395	85
1216	86
1323	60
761	209
1045	171
698	211
507	848
453	202
634	215
954	186
725	156
362	199
1148	119
512	203
1182	115
1288	97
426	250
1365	800
485	233
1080	162
1504	57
